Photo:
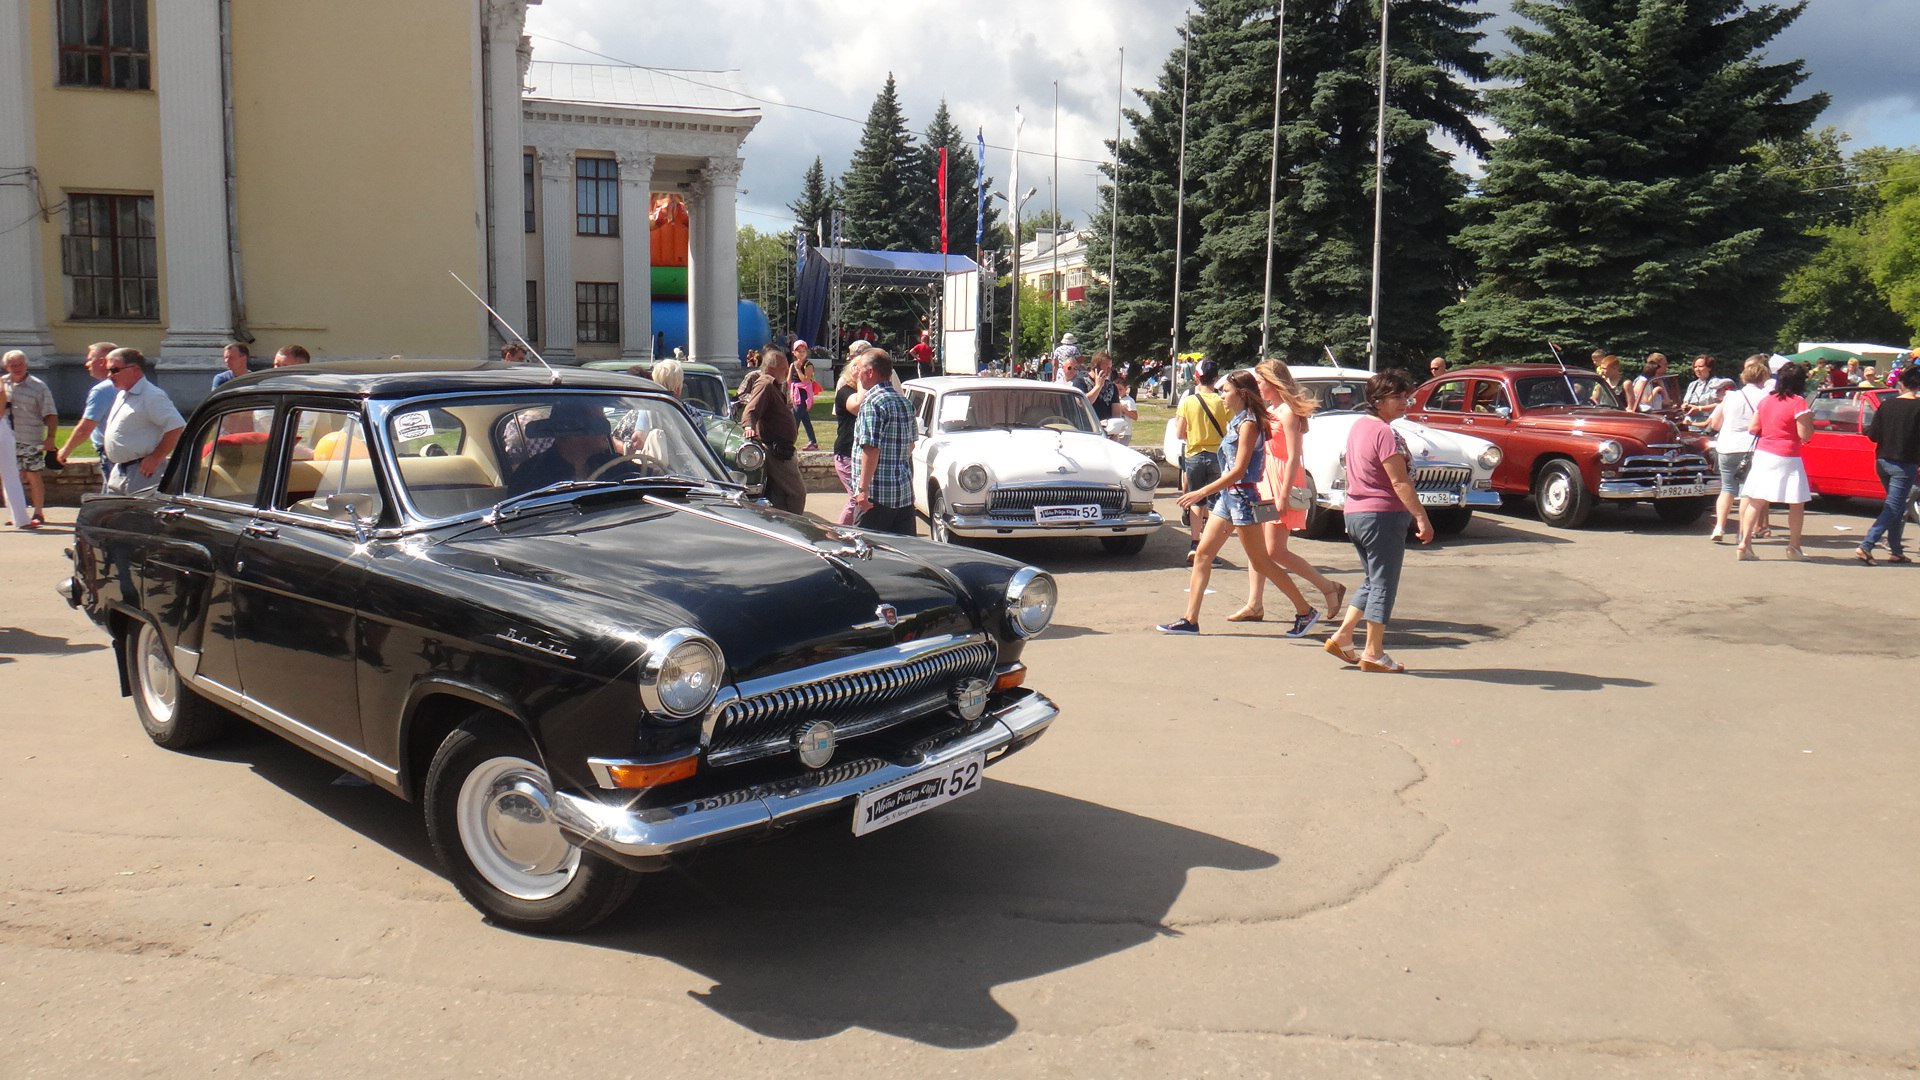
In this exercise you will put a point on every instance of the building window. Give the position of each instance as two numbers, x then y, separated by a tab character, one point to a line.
596	312
109	257
527	188
533	311
103	43
596	191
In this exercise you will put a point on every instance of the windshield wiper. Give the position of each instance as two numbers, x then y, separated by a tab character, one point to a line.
515	503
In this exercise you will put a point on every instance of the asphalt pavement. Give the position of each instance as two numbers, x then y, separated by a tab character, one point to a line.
1638	810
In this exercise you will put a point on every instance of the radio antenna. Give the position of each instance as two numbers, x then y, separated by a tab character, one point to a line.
1566	374
508	327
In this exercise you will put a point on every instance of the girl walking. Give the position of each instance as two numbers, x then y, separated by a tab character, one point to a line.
1288	409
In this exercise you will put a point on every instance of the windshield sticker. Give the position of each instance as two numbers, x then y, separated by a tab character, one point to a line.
955	407
413	425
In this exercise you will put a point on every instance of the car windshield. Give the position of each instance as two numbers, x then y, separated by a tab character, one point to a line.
704	391
1057	408
1572	388
458	454
1336	395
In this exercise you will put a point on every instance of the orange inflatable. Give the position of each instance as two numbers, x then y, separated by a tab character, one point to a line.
669	232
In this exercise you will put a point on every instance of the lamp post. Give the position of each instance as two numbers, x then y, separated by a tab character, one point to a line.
1013	349
1379	196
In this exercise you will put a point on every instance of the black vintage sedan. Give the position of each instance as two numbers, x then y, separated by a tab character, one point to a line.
533	603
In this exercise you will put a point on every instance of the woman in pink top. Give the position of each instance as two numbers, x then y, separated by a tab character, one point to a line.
1381	503
1287	411
1783	421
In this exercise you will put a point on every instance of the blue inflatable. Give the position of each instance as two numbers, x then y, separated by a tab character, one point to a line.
670	327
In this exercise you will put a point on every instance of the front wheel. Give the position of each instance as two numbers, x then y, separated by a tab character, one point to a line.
1682	511
173	716
489	808
1450	520
937	525
1561	495
1124	545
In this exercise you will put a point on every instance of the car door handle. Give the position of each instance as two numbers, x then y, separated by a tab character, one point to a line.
262	532
172	513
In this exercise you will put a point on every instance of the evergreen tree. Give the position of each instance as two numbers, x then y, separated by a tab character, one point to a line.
963	180
1628	206
888	185
813	210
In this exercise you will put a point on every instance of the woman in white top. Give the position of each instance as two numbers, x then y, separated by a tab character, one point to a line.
10	473
1734	443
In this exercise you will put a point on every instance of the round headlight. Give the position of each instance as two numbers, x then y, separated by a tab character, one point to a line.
973	479
750	456
1031	597
680	674
1490	457
1610	452
1146	477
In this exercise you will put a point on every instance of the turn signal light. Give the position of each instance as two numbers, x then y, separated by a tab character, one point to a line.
652	774
1009	678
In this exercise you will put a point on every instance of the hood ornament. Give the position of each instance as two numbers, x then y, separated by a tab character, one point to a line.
886	616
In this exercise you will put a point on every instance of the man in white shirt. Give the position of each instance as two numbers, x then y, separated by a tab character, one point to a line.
141	430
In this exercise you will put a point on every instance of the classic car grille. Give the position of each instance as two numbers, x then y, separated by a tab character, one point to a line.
760	725
1442	477
1679	468
1019	502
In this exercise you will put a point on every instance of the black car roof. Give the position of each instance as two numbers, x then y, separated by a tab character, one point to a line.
407	378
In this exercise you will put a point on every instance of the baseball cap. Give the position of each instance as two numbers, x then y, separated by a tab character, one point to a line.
1206	370
799	344
1776	362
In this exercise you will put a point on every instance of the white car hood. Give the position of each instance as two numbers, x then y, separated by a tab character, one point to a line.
1326	440
1034	456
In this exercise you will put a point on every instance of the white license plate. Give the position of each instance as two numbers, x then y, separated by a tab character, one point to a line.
1672	490
1439	498
1078	512
918	793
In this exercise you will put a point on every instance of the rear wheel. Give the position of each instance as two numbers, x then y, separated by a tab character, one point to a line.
1450	520
1124	545
172	715
489	808
1561	496
1682	511
1323	522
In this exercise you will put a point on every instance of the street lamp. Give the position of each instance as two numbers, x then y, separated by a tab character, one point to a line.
1013	350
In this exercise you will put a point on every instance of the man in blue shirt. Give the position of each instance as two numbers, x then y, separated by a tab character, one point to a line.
884	434
236	357
93	417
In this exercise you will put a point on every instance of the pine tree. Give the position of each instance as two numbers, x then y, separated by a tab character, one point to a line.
888	202
813	210
1628	207
963	180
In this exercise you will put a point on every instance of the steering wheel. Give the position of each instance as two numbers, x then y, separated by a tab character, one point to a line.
631	465
1056	420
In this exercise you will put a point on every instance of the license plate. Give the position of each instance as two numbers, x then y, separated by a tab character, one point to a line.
1078	512
1439	498
1675	490
918	793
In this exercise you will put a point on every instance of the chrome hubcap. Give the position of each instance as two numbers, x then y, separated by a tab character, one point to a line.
158	685
1556	494
505	816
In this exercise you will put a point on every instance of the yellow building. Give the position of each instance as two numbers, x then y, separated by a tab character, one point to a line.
176	174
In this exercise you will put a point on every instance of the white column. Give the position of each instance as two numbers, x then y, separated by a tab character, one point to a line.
556	251
23	310
717	271
695	198
636	255
197	285
505	19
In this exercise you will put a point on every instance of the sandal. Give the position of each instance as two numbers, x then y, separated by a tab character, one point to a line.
1796	554
38	519
1336	600
1898	559
1764	532
1248	615
1386	664
1865	556
1345	653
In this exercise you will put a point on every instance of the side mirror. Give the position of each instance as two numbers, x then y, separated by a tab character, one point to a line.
1503	412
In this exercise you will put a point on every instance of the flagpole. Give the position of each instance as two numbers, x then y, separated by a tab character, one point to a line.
1113	213
1180	210
1013	203
1053	290
1273	178
940	343
1379	195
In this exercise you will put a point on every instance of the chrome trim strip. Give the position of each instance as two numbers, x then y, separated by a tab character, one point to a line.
292	728
858	546
186	662
1632	489
986	525
651	832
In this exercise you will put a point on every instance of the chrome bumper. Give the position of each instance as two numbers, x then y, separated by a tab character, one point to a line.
1633	489
651	832
1336	499
980	525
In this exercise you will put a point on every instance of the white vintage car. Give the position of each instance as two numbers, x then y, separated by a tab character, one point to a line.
1451	473
1014	458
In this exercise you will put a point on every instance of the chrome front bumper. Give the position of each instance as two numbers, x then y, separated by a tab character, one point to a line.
1634	489
1337	498
980	525
651	832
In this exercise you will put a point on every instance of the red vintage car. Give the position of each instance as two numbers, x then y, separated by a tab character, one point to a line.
1567	442
1839	457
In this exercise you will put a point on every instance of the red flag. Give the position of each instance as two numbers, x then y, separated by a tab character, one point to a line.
943	200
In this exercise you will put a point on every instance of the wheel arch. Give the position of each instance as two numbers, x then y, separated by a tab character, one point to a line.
433	711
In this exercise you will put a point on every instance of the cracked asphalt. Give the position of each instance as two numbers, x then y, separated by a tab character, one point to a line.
1637	811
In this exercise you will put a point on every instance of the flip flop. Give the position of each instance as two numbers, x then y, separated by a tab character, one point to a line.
1386	664
1243	615
1346	655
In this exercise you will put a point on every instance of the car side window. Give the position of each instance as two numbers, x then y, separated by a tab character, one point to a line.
329	471
1450	396
1490	397
229	455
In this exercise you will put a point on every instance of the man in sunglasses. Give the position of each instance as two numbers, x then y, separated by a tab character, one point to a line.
141	429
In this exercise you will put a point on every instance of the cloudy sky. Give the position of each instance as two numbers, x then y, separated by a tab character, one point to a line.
832	56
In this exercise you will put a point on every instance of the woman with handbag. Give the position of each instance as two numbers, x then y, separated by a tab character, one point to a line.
1236	505
1288	409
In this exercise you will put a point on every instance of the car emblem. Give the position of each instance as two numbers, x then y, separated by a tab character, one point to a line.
814	744
1671	456
888	614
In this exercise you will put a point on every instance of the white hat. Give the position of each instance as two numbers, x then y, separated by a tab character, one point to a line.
1777	362
858	347
1068	339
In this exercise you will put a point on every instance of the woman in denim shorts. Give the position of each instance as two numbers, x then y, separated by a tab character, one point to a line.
1237	506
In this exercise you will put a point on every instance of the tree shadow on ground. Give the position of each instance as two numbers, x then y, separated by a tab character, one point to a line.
17	642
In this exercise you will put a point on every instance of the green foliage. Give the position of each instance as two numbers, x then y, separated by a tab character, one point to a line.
888	186
1628	206
1894	242
766	272
813	210
1045	219
1036	311
1832	296
963	179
